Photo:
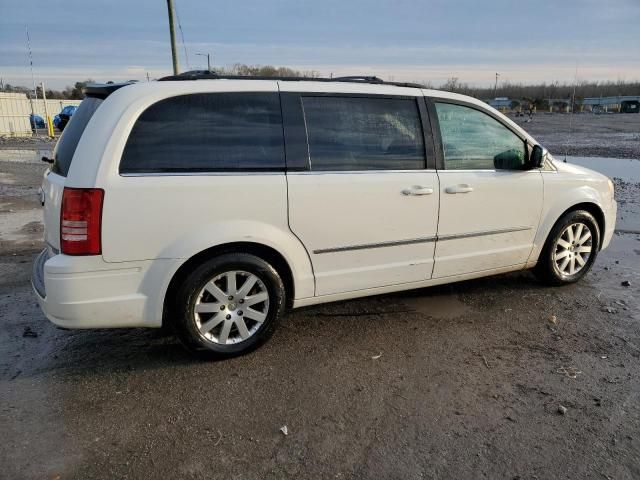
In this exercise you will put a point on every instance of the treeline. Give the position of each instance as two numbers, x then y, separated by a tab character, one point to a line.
75	92
265	71
536	93
69	93
544	91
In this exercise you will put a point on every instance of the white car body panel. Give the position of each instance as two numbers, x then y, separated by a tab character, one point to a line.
86	292
152	224
305	302
566	186
352	229
486	228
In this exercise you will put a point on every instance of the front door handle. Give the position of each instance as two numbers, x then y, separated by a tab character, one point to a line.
417	190
461	188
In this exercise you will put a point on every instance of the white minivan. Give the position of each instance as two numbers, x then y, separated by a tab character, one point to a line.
213	204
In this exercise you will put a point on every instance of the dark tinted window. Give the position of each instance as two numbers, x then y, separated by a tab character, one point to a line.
66	146
207	132
349	133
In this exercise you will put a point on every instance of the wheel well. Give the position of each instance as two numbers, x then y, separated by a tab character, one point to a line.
268	254
594	210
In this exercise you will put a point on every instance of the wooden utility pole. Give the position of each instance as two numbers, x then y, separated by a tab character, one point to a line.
172	32
47	118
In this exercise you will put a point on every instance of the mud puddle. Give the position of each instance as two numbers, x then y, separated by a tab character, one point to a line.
626	177
437	306
624	168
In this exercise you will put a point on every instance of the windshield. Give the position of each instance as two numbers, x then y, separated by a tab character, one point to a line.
66	146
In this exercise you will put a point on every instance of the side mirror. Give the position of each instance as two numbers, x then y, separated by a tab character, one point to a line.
537	157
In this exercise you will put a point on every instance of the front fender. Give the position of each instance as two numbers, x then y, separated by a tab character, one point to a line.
558	199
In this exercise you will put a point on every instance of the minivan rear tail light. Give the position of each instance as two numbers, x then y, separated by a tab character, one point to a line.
80	221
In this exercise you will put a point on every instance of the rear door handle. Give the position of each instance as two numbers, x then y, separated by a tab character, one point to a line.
417	190
462	188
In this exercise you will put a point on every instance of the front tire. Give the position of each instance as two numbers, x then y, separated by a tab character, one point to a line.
570	249
229	305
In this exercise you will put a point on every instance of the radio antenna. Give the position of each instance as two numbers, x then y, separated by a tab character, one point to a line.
33	78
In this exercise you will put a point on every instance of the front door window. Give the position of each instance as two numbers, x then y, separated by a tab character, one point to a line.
472	140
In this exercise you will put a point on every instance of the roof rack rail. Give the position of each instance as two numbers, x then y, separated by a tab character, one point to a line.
211	75
358	78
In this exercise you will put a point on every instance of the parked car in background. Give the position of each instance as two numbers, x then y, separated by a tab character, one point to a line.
214	205
64	116
36	121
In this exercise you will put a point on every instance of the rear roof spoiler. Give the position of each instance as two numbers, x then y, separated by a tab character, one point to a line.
103	90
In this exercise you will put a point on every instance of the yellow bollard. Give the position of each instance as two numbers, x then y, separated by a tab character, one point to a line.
50	127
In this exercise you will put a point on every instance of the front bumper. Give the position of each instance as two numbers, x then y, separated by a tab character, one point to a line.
87	292
610	224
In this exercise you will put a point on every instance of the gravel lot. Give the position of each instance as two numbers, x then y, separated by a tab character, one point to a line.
458	381
586	134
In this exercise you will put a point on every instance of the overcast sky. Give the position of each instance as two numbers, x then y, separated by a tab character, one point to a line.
410	40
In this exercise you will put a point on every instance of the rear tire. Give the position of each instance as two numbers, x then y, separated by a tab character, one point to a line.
570	249
229	305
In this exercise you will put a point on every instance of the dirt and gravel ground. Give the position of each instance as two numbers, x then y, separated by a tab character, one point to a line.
459	381
586	134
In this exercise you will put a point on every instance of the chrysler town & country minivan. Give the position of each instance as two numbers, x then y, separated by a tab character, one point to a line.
213	204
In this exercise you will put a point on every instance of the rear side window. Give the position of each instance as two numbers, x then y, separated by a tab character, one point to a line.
66	146
364	133
207	132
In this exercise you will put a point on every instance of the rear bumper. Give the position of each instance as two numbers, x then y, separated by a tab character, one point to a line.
86	292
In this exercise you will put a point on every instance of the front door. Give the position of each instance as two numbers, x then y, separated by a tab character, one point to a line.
366	207
490	203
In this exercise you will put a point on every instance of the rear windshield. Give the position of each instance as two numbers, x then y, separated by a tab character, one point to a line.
66	146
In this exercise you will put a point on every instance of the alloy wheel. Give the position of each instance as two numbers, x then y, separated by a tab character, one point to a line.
573	249
231	307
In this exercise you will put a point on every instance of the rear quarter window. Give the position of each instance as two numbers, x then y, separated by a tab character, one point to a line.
206	133
68	142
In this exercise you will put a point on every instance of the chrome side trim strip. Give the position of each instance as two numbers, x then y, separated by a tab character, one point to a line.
456	236
375	245
356	172
412	241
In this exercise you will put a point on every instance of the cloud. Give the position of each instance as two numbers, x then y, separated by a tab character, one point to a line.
405	39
